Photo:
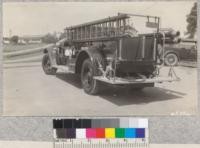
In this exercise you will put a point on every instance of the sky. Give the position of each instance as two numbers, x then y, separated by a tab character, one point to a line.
38	18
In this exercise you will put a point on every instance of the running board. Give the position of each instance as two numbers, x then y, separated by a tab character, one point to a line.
63	69
119	80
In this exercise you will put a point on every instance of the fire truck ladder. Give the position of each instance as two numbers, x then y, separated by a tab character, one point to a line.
104	29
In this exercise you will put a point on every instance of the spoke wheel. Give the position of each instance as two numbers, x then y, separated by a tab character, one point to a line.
88	71
46	65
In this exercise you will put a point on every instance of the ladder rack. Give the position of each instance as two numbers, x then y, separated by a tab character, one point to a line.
104	29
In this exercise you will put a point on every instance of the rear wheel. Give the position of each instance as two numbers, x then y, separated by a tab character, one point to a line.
46	65
171	59
88	71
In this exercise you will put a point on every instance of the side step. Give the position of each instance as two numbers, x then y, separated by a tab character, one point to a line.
64	69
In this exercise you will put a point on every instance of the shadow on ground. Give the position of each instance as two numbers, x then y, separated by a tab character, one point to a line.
126	95
72	79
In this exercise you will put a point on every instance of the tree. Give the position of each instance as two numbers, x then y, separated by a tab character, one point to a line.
49	38
192	21
14	39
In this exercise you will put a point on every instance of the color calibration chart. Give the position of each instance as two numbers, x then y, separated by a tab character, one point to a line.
101	133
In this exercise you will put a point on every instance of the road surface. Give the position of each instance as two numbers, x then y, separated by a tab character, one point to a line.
29	92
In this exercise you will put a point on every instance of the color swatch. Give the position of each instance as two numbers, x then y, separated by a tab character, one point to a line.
109	132
100	128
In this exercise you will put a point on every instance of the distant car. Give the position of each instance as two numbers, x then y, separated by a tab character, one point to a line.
183	51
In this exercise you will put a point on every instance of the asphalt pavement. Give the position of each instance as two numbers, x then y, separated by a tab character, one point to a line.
29	92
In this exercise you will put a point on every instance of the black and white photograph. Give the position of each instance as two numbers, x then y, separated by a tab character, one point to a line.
100	58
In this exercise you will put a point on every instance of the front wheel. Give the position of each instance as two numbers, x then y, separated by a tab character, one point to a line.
46	65
88	71
171	59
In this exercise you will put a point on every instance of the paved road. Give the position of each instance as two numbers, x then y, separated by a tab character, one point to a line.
29	92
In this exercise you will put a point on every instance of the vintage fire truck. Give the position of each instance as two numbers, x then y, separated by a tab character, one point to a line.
115	50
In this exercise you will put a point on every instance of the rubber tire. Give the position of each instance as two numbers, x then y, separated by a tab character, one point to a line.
47	68
175	59
94	86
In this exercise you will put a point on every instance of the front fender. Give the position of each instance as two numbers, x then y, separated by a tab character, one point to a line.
49	48
174	51
51	52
